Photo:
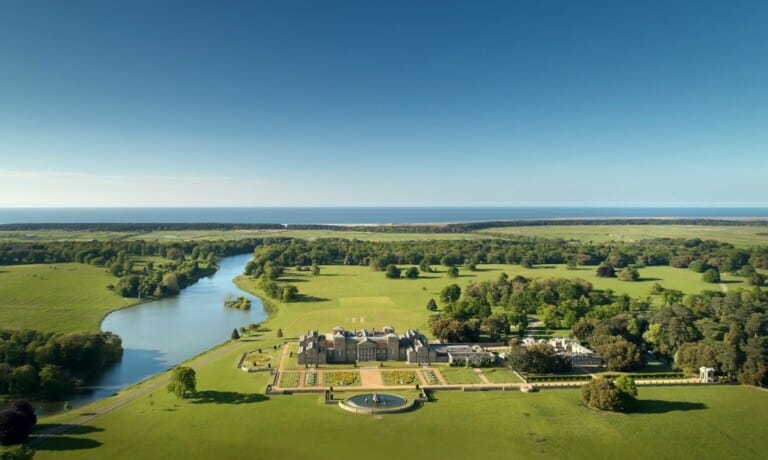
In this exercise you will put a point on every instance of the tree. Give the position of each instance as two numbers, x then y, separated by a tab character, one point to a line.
453	271
606	271
171	283
54	381
424	266
24	379
626	385
526	262
392	272
450	330
412	273
618	353
698	266
289	293
602	394
497	325
18	453
6	372
16	423
183	382
26	409
629	274
235	335
539	358
450	294
711	276
431	305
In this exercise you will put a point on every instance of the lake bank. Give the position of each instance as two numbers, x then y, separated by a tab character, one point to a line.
160	334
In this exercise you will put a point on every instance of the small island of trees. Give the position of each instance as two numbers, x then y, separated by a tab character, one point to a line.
241	302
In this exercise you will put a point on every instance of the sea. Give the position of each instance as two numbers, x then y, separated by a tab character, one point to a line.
361	215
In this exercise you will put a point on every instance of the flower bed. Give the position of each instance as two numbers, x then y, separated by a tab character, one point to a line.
342	378
399	377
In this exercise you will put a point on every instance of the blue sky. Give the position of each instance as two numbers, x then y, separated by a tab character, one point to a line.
305	103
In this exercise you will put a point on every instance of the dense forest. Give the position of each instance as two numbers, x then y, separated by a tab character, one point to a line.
50	365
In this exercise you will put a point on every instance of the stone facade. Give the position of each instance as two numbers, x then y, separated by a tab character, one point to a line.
342	346
460	354
579	354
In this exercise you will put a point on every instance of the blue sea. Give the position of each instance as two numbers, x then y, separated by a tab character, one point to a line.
360	215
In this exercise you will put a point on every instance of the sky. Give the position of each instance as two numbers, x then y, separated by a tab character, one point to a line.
383	103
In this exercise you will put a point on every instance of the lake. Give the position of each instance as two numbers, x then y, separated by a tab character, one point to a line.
161	334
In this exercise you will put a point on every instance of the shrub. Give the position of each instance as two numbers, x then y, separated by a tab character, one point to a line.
602	394
606	271
711	276
16	423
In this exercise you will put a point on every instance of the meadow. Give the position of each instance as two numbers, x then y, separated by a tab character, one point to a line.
669	422
57	298
738	235
171	236
357	297
231	416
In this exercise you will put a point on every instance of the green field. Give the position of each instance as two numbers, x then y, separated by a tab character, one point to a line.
58	297
739	235
232	418
671	422
192	235
357	297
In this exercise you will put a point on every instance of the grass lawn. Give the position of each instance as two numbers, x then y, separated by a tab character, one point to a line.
501	375
671	422
232	418
57	297
289	379
357	297
459	375
739	235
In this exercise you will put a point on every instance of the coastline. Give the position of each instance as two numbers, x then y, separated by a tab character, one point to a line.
360	215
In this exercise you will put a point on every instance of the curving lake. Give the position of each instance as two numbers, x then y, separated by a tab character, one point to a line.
160	334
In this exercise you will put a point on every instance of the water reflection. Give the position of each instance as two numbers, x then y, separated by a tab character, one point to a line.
160	334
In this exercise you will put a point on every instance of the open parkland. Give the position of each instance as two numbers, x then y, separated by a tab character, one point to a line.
471	413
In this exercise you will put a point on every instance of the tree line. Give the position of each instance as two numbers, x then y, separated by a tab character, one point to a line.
105	253
680	253
461	227
188	261
50	365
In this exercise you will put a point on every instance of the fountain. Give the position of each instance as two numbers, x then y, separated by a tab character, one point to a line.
376	403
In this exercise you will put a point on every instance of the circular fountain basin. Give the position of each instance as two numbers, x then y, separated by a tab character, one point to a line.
376	403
